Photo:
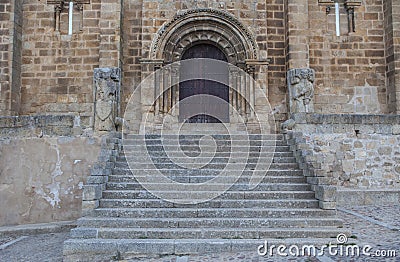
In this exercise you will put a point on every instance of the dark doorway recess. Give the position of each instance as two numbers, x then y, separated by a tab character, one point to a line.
209	108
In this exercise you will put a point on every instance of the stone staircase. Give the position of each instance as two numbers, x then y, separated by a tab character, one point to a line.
131	221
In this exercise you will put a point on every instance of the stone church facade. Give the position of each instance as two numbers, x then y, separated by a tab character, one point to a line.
332	79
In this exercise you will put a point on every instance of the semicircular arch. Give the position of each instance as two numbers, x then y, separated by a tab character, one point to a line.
204	25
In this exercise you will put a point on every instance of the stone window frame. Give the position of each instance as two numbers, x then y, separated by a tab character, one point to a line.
349	5
347	2
59	6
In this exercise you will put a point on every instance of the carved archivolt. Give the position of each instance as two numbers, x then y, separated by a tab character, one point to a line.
204	25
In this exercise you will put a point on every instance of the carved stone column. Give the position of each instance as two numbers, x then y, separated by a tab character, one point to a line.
106	94
58	9
301	90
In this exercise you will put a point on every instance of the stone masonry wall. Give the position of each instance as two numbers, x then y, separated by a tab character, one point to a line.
390	60
15	56
353	151
396	45
392	22
276	53
5	9
44	162
57	69
10	56
131	48
350	69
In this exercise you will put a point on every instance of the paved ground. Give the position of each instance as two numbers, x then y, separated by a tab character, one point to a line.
376	226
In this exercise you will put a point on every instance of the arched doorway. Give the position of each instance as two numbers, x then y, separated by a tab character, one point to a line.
208	107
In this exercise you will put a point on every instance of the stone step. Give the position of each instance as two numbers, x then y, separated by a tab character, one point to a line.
204	128
208	172
195	149
202	179
209	142
204	233
238	195
166	159
130	220
216	166
215	186
211	212
99	222
215	136
161	154
109	249
215	203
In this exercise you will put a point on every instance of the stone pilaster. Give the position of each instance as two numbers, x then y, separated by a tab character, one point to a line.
297	34
392	40
10	57
110	33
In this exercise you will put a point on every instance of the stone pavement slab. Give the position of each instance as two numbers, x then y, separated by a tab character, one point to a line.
35	248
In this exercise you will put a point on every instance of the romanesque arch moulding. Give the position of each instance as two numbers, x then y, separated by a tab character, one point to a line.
192	27
204	25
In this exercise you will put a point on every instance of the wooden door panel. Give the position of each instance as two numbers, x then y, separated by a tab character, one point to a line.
204	109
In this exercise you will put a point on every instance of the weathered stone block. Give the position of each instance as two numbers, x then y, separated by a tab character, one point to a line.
396	130
84	233
96	179
325	193
348	166
327	205
91	192
364	129
383	129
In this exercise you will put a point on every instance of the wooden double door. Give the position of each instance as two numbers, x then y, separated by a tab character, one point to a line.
210	99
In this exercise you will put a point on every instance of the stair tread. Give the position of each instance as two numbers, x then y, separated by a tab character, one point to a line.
217	200
305	229
229	191
172	240
177	209
208	218
208	169
241	184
